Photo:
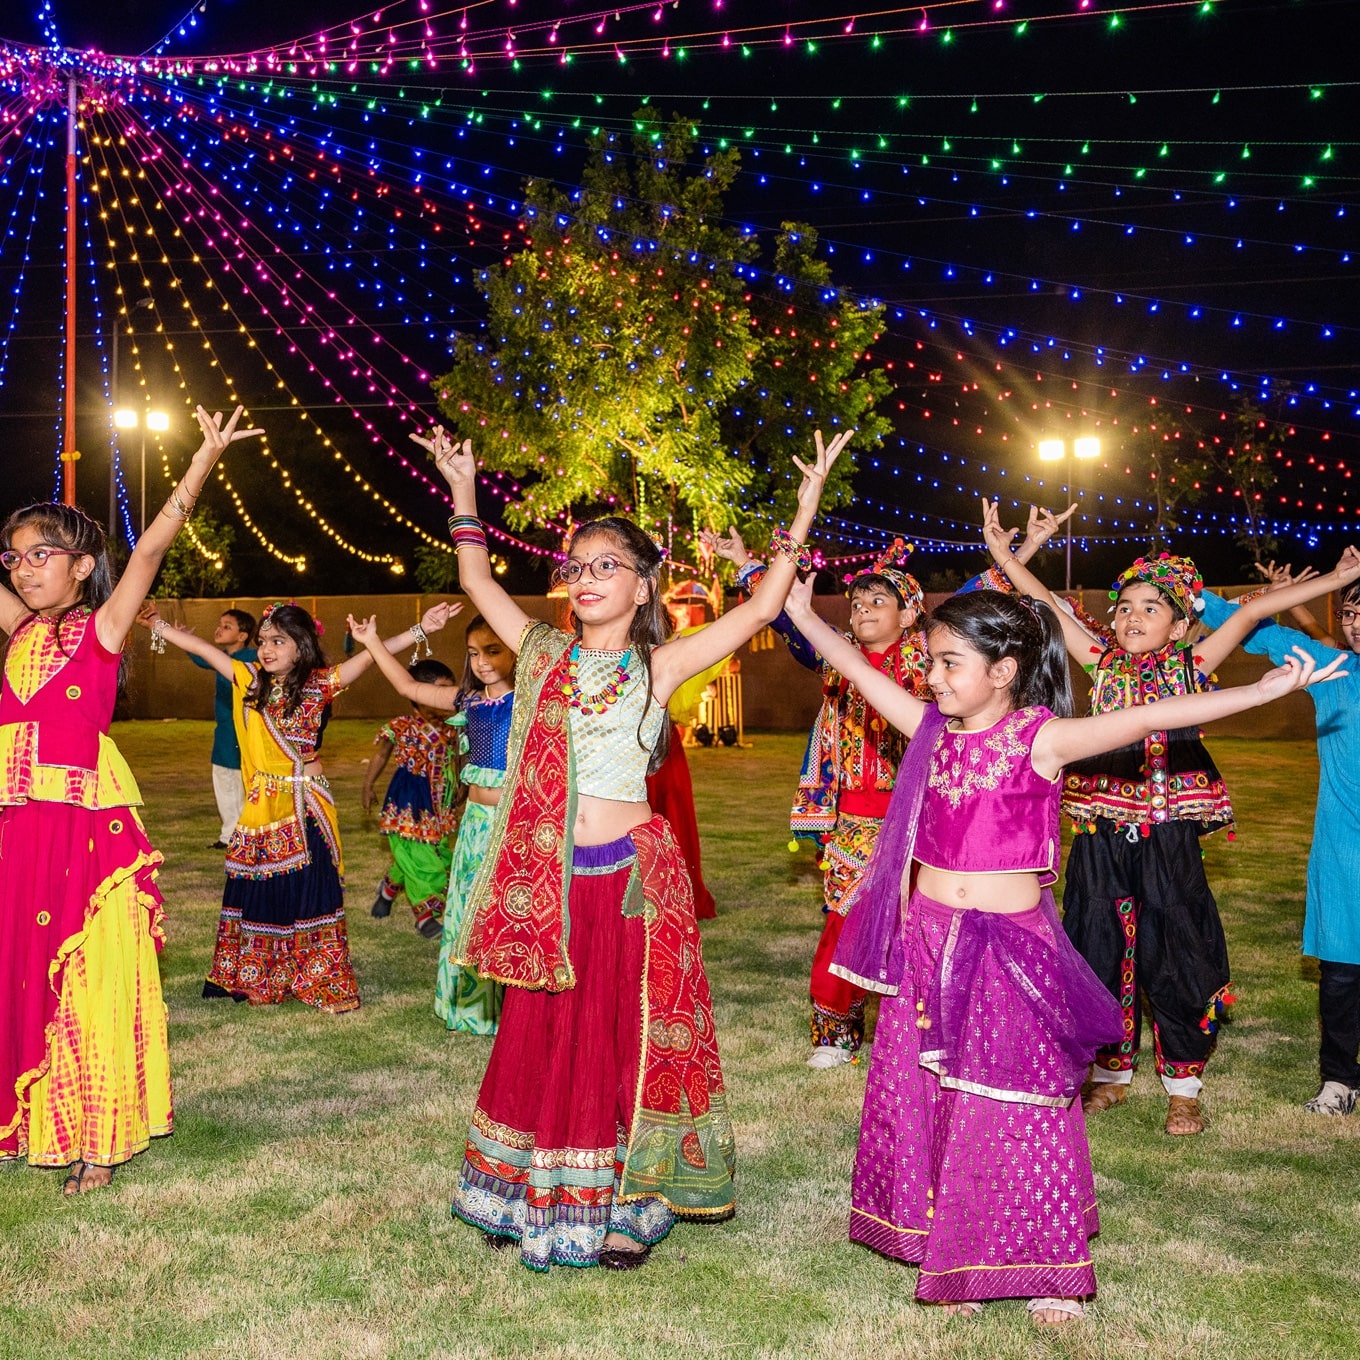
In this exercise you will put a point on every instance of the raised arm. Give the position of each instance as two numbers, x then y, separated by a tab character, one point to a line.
504	617
115	619
1076	638
211	656
1213	650
431	621
682	657
365	632
903	710
1301	616
1065	740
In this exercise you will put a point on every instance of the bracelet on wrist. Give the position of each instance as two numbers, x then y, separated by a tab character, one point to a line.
783	543
420	636
466	531
158	637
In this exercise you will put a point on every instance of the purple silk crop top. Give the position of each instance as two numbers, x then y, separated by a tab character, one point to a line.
986	810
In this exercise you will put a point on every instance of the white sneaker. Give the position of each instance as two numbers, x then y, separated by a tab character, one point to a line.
828	1055
1335	1097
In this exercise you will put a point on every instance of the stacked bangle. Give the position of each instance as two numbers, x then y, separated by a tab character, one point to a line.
782	542
466	532
175	507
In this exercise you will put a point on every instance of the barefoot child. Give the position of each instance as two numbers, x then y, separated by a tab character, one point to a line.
1136	902
282	928
972	1159
602	1116
84	1074
416	817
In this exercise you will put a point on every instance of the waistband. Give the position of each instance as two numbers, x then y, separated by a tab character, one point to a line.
1029	919
603	859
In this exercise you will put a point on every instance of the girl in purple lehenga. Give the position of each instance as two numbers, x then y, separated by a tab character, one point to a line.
972	1162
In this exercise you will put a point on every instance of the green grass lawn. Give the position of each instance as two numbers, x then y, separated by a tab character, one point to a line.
302	1207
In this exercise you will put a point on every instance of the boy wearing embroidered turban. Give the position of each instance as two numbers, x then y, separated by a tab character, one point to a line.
1137	903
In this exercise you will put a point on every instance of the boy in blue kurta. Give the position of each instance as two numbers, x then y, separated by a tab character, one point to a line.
1331	923
233	634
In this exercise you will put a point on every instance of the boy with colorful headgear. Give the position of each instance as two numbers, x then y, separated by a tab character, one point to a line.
851	762
1137	903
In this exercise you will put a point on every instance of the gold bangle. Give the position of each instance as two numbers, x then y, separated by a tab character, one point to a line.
174	512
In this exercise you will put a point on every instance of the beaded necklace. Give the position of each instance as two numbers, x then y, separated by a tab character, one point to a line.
594	703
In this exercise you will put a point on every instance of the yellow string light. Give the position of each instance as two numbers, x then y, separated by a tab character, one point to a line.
394	563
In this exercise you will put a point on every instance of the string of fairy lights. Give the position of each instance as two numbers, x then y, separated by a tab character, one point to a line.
298	303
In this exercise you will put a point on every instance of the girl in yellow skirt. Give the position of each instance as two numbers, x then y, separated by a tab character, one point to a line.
84	1074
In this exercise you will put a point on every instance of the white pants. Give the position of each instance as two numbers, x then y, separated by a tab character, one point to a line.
230	792
1175	1086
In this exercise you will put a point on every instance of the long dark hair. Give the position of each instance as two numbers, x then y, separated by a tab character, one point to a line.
997	625
63	526
651	624
296	623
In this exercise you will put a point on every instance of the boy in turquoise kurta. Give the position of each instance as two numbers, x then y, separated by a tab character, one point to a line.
1331	923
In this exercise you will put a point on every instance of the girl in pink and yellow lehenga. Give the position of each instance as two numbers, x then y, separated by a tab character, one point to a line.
84	1074
972	1159
282	930
602	1116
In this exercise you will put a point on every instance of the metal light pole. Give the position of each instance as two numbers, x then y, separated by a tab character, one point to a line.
1053	450
119	423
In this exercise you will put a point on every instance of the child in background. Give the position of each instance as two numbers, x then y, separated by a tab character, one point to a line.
282	929
972	1159
234	634
84	1068
1136	902
482	709
1331	923
417	815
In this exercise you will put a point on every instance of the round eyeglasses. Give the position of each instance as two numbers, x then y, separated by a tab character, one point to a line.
35	557
601	568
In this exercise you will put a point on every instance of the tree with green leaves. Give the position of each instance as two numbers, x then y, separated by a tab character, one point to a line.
197	564
641	356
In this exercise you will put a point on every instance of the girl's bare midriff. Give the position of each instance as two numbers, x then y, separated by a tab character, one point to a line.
601	820
485	797
1002	893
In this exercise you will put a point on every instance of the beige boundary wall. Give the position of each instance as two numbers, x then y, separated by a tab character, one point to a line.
778	694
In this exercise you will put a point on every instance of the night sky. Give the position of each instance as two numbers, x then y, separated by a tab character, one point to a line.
1068	219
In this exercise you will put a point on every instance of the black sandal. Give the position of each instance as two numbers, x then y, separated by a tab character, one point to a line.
622	1258
74	1183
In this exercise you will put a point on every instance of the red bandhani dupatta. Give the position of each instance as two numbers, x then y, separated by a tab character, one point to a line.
517	931
681	1144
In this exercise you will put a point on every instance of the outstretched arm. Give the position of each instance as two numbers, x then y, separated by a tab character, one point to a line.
1076	638
1065	740
1301	616
213	657
682	657
431	621
115	618
1219	645
365	633
505	618
903	710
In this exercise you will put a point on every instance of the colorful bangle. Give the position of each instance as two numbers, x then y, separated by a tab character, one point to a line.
782	542
467	532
